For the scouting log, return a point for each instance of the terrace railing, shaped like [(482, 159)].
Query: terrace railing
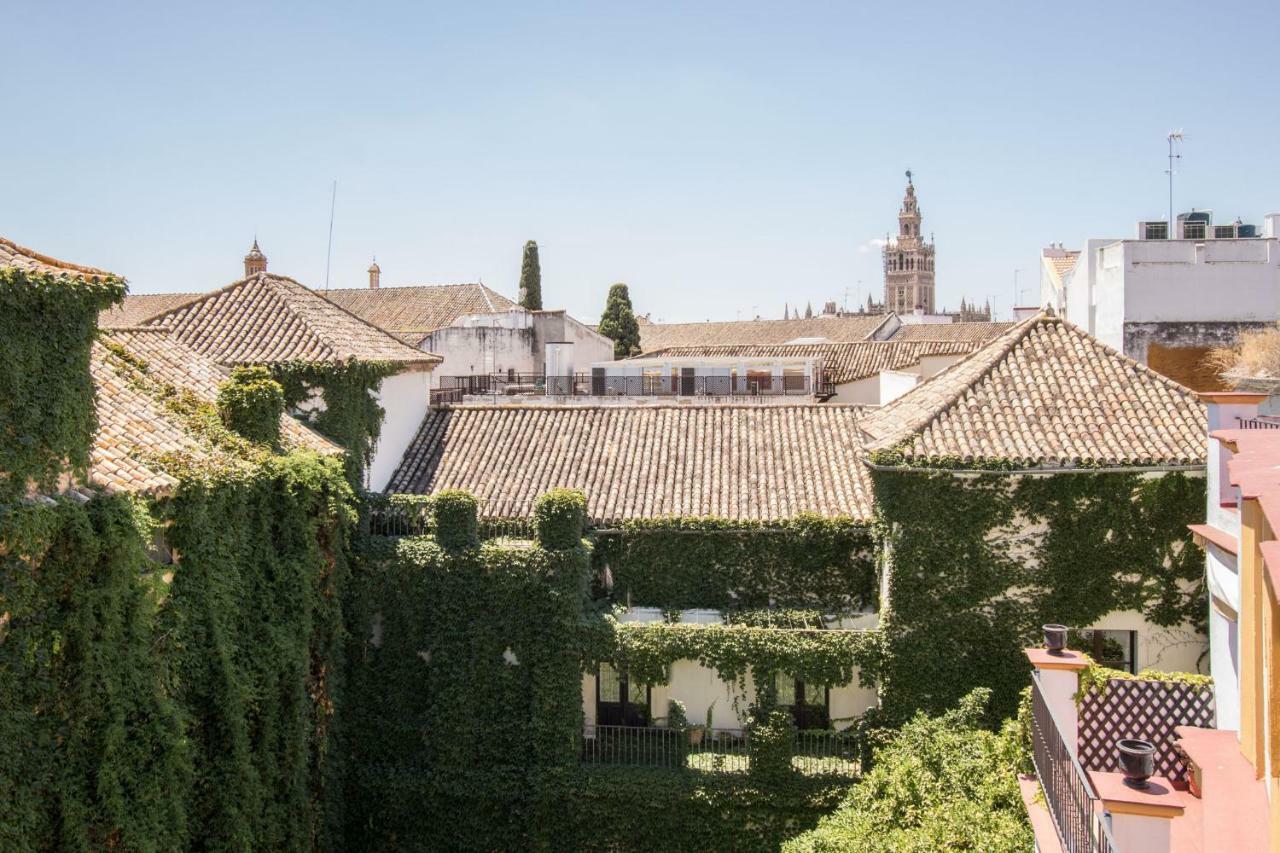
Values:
[(1069, 795), (498, 518), (813, 753), (589, 385), (1260, 422)]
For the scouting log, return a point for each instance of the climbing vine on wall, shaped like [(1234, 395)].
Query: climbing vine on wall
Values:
[(464, 656), (820, 657), (92, 748), (980, 562), (351, 416), (805, 562), (252, 627), (47, 417)]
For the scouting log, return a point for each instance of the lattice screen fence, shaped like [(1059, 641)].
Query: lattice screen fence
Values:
[(1149, 710)]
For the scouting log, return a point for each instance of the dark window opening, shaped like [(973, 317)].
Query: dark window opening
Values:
[(1115, 649), (808, 703), (619, 700)]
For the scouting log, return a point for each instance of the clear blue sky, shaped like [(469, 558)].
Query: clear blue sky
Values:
[(719, 158)]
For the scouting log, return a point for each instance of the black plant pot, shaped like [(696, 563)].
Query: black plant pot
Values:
[(1137, 760), (1055, 638)]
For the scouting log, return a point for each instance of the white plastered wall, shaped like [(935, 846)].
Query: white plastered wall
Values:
[(405, 398)]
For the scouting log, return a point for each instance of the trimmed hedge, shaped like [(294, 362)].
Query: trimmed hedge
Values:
[(559, 518), (455, 524), (251, 403)]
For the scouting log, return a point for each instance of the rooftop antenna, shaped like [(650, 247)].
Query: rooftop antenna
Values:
[(1174, 136), (328, 255)]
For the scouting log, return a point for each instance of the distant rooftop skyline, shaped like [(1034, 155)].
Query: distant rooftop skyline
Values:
[(722, 160)]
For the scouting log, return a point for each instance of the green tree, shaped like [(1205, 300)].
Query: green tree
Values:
[(531, 278), (618, 322), (942, 783)]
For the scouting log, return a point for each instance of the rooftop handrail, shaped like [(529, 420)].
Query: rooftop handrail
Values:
[(1069, 794), (665, 385)]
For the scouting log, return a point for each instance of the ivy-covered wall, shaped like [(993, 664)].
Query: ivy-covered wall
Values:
[(93, 753), (149, 706), (47, 421), (465, 672), (980, 562), (351, 416), (465, 703), (807, 562)]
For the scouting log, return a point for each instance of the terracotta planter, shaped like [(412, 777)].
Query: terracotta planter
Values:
[(1137, 760), (1055, 638)]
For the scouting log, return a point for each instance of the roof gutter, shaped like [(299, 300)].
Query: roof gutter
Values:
[(1110, 469)]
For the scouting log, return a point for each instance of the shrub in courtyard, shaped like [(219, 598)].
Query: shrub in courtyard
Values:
[(560, 516), (455, 519), (943, 783)]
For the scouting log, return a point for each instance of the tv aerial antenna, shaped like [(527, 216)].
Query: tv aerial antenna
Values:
[(1175, 147)]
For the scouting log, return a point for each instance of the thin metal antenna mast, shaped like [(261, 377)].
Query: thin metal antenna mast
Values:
[(1174, 136), (328, 255)]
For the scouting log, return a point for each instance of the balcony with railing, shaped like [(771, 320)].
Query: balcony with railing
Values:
[(454, 389), (1069, 795), (813, 753)]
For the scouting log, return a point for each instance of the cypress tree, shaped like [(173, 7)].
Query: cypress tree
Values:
[(618, 322), (531, 278)]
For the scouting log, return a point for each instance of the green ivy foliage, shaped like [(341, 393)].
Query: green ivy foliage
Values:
[(251, 403), (623, 809), (807, 562), (969, 588), (252, 628), (47, 420), (559, 518), (351, 416), (942, 783), (647, 650), (93, 754), (462, 658)]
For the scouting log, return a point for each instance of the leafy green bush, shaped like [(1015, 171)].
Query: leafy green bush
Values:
[(677, 715), (455, 522), (251, 403), (560, 517), (943, 783)]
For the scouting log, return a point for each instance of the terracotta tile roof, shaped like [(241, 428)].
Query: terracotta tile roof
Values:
[(852, 327), (738, 461), (1043, 394), (268, 319), (139, 307), (135, 428), (1060, 266), (845, 362), (977, 333), (29, 260), (411, 313)]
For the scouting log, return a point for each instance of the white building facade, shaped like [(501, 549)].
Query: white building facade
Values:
[(1166, 303)]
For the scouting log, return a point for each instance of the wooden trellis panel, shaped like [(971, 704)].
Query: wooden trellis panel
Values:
[(1149, 710)]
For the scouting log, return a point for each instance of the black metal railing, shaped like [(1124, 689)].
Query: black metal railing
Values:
[(440, 396), (1069, 795), (411, 515), (597, 385), (1257, 423), (814, 753)]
